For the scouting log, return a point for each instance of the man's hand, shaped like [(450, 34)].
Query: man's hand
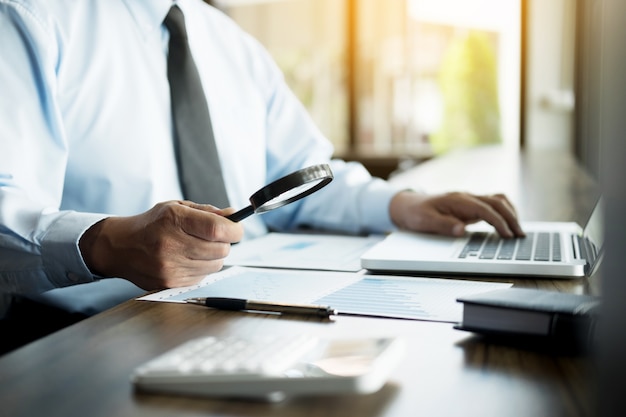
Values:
[(448, 214), (174, 244)]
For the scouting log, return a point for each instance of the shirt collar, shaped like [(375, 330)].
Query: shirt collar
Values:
[(149, 15)]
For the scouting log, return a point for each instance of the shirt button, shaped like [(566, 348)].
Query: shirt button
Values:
[(73, 277)]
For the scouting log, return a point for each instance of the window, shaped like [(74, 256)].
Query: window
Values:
[(401, 78), (307, 38)]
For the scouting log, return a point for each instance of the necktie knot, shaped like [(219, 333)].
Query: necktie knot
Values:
[(175, 23)]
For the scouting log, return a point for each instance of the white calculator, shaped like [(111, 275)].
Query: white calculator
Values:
[(271, 367)]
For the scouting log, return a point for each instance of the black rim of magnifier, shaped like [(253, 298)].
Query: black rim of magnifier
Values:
[(259, 199)]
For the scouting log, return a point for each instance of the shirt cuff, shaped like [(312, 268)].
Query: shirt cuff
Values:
[(61, 255), (374, 205)]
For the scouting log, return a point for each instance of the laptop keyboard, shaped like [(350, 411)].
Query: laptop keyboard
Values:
[(543, 246)]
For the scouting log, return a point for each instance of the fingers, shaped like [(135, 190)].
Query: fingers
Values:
[(444, 225), (192, 237), (501, 215), (448, 214), (495, 210), (208, 208), (209, 223)]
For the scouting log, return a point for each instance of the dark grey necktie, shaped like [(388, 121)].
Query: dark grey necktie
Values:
[(196, 155)]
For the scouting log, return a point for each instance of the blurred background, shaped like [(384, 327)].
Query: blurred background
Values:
[(394, 82)]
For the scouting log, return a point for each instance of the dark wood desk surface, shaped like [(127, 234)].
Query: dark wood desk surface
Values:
[(84, 370)]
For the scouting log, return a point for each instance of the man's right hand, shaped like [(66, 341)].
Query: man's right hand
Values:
[(174, 244)]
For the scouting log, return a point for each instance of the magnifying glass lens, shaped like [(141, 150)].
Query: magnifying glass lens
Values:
[(286, 190), (287, 197)]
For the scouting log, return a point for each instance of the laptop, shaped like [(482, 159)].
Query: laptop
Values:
[(550, 249)]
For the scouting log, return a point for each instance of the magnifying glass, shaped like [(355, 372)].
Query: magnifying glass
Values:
[(290, 188)]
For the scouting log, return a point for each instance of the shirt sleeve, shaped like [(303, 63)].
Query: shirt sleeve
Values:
[(38, 241)]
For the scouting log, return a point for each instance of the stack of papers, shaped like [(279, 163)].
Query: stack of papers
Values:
[(322, 279), (303, 251)]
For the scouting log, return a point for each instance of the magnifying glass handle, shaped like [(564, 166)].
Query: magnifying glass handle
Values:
[(241, 214)]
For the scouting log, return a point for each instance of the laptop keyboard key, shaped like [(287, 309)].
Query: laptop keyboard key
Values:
[(473, 245), (490, 248), (524, 252), (507, 249), (556, 247), (542, 251)]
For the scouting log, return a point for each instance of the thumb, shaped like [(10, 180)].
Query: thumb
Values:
[(208, 208), (458, 229), (447, 225)]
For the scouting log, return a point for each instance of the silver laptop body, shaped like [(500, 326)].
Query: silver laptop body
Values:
[(550, 249)]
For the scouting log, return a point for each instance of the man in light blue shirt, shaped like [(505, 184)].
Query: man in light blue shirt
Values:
[(89, 187)]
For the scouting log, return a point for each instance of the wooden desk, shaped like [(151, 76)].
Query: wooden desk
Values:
[(84, 370)]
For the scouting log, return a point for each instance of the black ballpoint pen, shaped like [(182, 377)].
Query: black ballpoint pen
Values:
[(237, 304)]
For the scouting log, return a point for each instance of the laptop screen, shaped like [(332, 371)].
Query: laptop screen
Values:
[(594, 233)]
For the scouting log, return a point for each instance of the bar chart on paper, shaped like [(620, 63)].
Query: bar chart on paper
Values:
[(405, 297), (414, 298)]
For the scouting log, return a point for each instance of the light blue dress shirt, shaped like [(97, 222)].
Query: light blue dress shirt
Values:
[(86, 133)]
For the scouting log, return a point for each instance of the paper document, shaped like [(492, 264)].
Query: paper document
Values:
[(303, 251), (430, 299)]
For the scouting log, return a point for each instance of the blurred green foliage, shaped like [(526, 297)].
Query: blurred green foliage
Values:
[(468, 81)]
